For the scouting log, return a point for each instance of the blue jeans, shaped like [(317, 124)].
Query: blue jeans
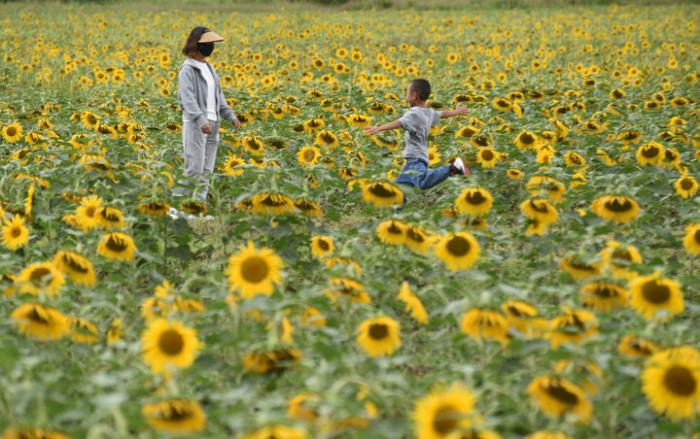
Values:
[(417, 174)]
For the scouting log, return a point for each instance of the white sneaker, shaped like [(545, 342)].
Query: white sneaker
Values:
[(460, 166)]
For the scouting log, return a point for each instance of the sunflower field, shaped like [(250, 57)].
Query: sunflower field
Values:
[(552, 293)]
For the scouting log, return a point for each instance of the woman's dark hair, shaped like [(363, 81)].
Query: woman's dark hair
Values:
[(191, 47)]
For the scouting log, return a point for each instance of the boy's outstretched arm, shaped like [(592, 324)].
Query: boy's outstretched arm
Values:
[(458, 111), (387, 126)]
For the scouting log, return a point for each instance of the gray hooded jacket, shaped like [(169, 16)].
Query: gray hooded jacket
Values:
[(192, 95)]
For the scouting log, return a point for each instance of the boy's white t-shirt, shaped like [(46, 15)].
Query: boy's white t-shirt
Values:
[(416, 123), (211, 89)]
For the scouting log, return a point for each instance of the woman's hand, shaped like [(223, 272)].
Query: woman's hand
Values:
[(206, 129), (236, 123)]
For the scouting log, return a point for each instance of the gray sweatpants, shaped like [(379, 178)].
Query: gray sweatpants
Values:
[(199, 150)]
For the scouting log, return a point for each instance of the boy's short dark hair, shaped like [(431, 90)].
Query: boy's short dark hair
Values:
[(421, 87)]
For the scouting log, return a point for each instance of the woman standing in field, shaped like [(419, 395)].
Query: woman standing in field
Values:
[(203, 107)]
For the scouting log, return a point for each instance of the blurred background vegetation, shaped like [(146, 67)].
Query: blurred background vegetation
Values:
[(376, 4)]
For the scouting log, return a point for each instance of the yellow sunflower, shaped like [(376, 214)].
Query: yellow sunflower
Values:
[(527, 140), (619, 257), (277, 432), (233, 166), (542, 184), (14, 233), (308, 207), (651, 153), (485, 324), (254, 271), (691, 240), (458, 251), (686, 186), (474, 201), (443, 413), (32, 433), (88, 213), (633, 346), (558, 397), (175, 416), (413, 304), (379, 336), (618, 208), (78, 268), (382, 194), (308, 155), (546, 434), (392, 232), (275, 360), (272, 204), (117, 246), (322, 246), (671, 382), (655, 297), (168, 344), (254, 145), (327, 139), (154, 208), (111, 218), (417, 239), (540, 210), (603, 296), (579, 269), (40, 322), (40, 278), (487, 157), (12, 133), (572, 326)]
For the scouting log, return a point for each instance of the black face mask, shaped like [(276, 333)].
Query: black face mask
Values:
[(205, 48)]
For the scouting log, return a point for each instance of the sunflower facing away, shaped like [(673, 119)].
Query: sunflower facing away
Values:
[(413, 304), (254, 271)]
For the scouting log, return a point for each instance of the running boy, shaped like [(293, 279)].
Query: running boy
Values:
[(416, 122)]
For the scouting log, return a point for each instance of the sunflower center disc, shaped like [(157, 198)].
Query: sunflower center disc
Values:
[(655, 293), (40, 276), (378, 331), (487, 155), (558, 392), (458, 246), (686, 184), (116, 244), (619, 205), (475, 198), (381, 191), (324, 245), (74, 265), (680, 381), (697, 236), (446, 420), (254, 269), (171, 342), (16, 232)]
